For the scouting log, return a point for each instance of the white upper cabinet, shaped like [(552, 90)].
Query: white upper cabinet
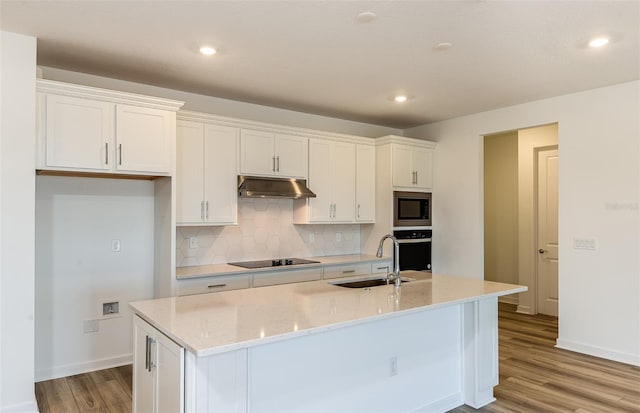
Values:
[(273, 154), (412, 166), (78, 133), (144, 139), (365, 183), (206, 174), (91, 130), (332, 174)]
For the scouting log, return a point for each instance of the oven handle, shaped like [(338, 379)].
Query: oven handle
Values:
[(414, 241)]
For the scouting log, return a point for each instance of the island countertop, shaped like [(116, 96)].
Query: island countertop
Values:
[(207, 324)]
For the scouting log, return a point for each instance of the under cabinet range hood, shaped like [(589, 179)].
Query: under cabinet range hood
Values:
[(260, 187)]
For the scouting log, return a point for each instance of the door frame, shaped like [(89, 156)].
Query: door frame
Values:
[(535, 279)]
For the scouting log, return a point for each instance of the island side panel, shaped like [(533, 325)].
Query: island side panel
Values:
[(480, 335), (403, 363), (216, 383)]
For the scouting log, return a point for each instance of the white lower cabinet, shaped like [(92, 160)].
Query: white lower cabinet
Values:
[(287, 277), (213, 284), (158, 371), (348, 270)]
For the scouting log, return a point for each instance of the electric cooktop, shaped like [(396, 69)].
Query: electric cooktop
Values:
[(273, 263)]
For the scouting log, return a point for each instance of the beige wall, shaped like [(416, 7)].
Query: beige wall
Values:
[(529, 140), (501, 207)]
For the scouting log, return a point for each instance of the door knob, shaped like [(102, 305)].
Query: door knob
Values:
[(541, 251)]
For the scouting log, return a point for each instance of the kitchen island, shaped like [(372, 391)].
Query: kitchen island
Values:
[(430, 346)]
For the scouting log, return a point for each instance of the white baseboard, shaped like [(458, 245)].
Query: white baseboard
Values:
[(79, 368), (28, 407), (523, 309), (442, 405), (605, 353)]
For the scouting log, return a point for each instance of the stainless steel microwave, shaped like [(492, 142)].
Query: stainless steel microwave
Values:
[(411, 209)]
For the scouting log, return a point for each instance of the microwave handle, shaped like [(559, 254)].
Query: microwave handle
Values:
[(414, 240)]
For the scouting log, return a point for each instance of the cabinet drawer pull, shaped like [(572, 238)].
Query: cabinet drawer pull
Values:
[(216, 285), (106, 153), (120, 154), (348, 271), (383, 268)]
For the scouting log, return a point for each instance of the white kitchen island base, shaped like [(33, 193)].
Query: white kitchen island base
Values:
[(337, 356)]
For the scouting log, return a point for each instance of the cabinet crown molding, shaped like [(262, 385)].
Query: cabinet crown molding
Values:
[(69, 89), (405, 141), (271, 127)]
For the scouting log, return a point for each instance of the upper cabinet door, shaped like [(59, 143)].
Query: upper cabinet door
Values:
[(402, 169), (365, 183), (189, 172), (270, 154), (343, 180), (423, 167), (320, 207), (79, 133), (143, 138), (257, 153), (292, 156), (221, 174)]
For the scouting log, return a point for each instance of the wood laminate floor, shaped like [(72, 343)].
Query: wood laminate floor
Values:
[(535, 377)]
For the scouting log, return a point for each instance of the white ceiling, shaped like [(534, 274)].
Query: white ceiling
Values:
[(315, 56)]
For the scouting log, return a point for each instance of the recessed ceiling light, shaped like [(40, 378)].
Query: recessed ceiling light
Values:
[(400, 98), (599, 42), (207, 50), (366, 17), (443, 46)]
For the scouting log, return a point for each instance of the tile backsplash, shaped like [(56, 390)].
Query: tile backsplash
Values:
[(265, 230)]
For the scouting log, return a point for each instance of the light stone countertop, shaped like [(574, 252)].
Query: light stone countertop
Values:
[(226, 269), (207, 324)]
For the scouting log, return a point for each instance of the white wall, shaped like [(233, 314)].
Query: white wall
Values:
[(17, 185), (226, 107), (265, 230), (76, 220), (598, 137)]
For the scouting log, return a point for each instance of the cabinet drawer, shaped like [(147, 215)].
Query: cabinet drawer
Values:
[(346, 270), (212, 284), (286, 277), (381, 267)]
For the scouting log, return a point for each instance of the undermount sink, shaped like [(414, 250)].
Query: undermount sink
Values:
[(368, 282)]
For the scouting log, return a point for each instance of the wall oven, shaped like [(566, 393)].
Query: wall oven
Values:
[(415, 249), (411, 209)]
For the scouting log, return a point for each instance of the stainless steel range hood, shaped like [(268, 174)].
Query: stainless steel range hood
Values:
[(259, 187)]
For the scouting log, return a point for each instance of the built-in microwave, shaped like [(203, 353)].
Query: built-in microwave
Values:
[(411, 209)]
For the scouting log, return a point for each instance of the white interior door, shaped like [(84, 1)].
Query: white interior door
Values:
[(547, 268)]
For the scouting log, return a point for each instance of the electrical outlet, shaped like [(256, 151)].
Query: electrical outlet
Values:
[(108, 308), (115, 245), (393, 366), (193, 242)]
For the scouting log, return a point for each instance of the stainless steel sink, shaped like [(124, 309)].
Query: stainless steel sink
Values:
[(367, 282)]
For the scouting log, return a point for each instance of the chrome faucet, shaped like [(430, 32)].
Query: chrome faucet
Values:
[(395, 275)]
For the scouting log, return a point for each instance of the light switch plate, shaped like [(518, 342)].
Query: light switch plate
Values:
[(584, 243)]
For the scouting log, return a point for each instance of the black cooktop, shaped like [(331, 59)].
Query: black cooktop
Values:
[(272, 263)]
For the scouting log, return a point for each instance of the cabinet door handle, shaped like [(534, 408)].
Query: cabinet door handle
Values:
[(216, 285), (120, 154), (152, 363), (334, 210), (278, 163), (348, 271), (106, 153), (147, 355), (416, 177), (206, 208), (358, 210), (273, 161), (202, 210), (383, 268)]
